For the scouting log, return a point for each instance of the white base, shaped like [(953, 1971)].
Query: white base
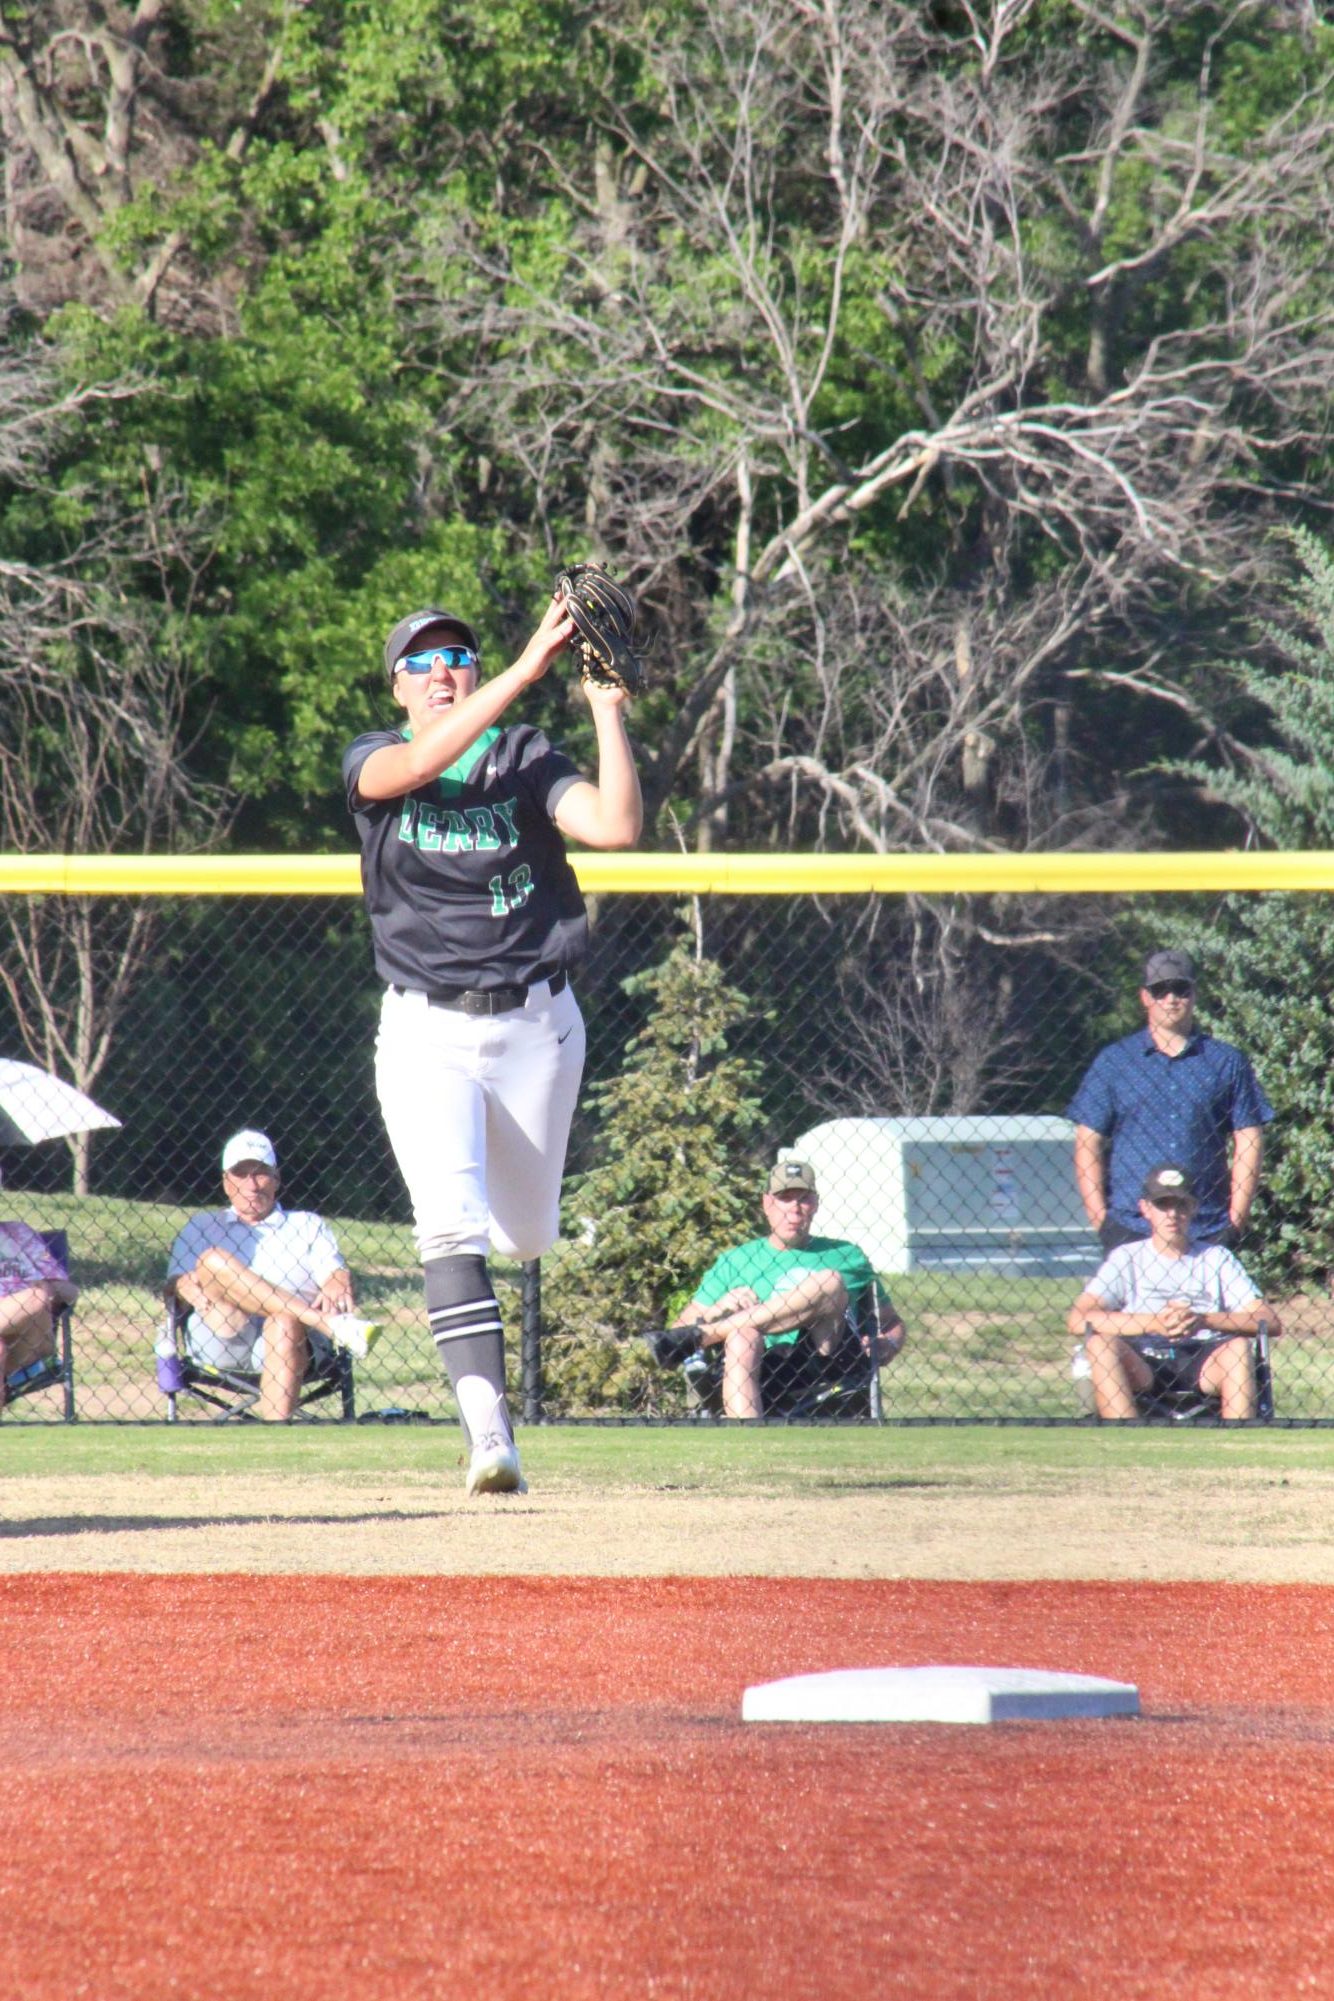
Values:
[(935, 1695)]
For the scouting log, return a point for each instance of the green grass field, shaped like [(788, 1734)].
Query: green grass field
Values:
[(771, 1460)]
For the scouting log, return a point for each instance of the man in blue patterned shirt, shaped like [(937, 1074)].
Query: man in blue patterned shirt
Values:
[(1171, 1091)]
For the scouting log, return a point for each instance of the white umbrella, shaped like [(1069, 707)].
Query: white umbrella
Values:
[(34, 1105)]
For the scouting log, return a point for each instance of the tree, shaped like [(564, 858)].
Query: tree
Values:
[(101, 110), (932, 371), (1269, 960), (936, 373), (213, 198), (677, 1133), (95, 671)]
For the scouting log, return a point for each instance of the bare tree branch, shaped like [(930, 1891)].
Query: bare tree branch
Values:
[(938, 156), (89, 120), (95, 731)]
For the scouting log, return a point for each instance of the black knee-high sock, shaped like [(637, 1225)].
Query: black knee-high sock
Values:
[(466, 1327)]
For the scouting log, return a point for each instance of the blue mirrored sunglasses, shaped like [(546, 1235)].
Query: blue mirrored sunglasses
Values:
[(454, 658)]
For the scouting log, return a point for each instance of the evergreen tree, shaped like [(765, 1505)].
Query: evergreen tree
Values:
[(1268, 960), (679, 1130)]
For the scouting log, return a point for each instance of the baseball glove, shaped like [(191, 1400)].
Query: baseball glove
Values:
[(604, 621)]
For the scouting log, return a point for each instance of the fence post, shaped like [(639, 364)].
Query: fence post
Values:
[(530, 1353), (875, 1409)]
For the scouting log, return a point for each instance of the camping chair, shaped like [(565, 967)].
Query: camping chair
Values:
[(233, 1393), (826, 1397), (1164, 1404), (57, 1367), (846, 1387)]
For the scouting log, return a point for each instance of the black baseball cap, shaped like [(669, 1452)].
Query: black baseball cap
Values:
[(400, 639), (1168, 966), (1168, 1183)]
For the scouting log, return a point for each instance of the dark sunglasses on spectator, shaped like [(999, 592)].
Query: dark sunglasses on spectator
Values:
[(454, 658), (1179, 989)]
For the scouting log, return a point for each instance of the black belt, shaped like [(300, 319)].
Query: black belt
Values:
[(483, 1000)]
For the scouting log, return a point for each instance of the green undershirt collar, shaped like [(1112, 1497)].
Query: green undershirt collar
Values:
[(457, 775)]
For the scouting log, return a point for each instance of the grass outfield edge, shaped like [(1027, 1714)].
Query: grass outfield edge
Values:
[(768, 1459)]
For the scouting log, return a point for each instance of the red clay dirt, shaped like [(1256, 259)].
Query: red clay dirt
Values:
[(409, 1787)]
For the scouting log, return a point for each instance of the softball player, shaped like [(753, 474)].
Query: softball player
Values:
[(477, 919)]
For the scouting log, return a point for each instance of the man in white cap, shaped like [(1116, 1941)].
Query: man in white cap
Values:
[(265, 1285)]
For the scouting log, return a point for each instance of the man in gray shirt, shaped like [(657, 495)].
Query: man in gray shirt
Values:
[(1158, 1315)]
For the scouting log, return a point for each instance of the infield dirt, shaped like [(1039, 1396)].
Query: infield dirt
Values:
[(182, 1745), (1238, 1526)]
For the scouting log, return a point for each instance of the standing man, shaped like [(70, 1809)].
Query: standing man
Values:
[(264, 1285), (1171, 1092), (788, 1309), (477, 919)]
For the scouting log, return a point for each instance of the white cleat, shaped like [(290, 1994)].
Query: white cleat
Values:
[(494, 1467), (358, 1337)]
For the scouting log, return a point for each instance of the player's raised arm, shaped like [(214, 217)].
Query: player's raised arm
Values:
[(610, 813), (436, 682)]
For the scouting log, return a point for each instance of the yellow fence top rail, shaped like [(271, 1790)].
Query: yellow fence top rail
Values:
[(695, 875)]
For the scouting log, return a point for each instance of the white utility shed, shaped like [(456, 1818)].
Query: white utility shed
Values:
[(953, 1194)]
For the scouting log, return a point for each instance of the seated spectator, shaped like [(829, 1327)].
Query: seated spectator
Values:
[(1160, 1315), (788, 1308), (267, 1287), (32, 1282)]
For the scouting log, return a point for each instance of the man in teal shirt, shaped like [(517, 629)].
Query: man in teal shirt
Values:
[(788, 1308)]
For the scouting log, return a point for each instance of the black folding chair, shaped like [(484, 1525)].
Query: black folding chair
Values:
[(57, 1368), (801, 1386), (1165, 1403), (233, 1393), (823, 1392)]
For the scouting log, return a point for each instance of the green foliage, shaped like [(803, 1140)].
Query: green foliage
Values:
[(678, 1128), (1270, 992), (456, 288), (399, 335)]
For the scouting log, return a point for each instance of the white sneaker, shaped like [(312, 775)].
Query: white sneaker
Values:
[(494, 1467), (357, 1336)]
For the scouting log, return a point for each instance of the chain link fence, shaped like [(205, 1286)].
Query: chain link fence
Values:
[(917, 1052)]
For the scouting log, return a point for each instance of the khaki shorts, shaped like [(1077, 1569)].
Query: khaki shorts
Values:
[(243, 1352)]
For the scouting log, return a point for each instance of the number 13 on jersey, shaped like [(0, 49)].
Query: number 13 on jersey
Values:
[(512, 892)]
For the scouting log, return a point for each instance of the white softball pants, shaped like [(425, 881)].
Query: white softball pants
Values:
[(478, 1111)]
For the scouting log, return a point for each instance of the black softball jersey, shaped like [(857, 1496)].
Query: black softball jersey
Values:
[(467, 881)]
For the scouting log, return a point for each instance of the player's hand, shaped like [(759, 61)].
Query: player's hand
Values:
[(603, 698), (551, 638)]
